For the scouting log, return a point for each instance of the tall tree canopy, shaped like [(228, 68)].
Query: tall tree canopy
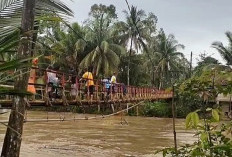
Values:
[(135, 31), (167, 50), (104, 55)]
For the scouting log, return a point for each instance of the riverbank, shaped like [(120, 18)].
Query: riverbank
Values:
[(101, 137)]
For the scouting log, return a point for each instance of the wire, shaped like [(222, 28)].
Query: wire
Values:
[(71, 28), (128, 5), (71, 119), (3, 123)]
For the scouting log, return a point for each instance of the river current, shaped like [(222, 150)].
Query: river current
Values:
[(107, 137)]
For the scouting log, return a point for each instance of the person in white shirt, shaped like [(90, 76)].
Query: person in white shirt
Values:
[(52, 78), (113, 81), (113, 78), (52, 82)]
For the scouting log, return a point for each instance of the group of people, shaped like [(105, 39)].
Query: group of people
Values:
[(109, 83), (53, 81)]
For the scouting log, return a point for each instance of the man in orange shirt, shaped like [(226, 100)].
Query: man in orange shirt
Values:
[(88, 76)]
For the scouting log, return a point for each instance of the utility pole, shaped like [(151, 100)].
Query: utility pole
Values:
[(191, 62)]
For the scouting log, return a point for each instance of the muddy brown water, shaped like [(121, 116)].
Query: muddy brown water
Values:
[(107, 137)]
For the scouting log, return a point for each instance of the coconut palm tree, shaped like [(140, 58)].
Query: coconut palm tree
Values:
[(129, 34), (135, 31), (169, 57), (225, 51), (66, 46), (103, 52), (22, 13), (104, 56)]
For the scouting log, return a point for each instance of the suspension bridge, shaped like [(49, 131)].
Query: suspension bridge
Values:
[(77, 93), (119, 97)]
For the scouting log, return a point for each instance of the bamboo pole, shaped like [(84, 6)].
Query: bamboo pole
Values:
[(173, 117)]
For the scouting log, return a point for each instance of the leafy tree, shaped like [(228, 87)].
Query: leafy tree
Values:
[(205, 61), (225, 51), (139, 72), (214, 136), (106, 14), (66, 47)]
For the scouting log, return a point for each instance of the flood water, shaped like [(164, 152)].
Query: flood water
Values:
[(105, 137)]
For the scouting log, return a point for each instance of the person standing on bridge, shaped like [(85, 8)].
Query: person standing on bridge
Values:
[(32, 78), (73, 81), (107, 86), (88, 76), (113, 82), (52, 81)]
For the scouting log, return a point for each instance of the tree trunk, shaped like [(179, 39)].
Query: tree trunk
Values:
[(153, 76), (128, 73), (161, 80), (13, 138), (128, 67)]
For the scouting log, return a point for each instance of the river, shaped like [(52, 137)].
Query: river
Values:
[(107, 137)]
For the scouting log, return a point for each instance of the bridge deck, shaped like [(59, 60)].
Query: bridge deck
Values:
[(59, 102)]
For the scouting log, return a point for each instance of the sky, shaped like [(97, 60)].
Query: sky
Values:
[(195, 23)]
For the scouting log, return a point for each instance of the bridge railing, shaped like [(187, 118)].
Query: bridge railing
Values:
[(72, 88)]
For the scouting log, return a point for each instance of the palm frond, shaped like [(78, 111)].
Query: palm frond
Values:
[(113, 58), (223, 51), (80, 46), (11, 12), (19, 63), (105, 46), (10, 91), (10, 7), (229, 36), (119, 50)]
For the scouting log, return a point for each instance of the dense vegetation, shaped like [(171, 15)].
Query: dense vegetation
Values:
[(140, 54), (135, 48), (214, 137)]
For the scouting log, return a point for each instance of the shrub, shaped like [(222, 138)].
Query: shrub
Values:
[(182, 110), (157, 109)]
